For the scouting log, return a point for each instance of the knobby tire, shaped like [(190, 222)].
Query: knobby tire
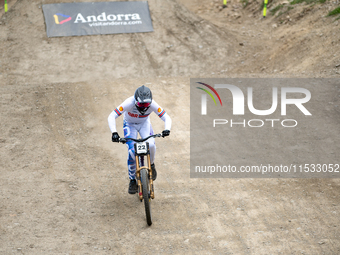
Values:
[(146, 195)]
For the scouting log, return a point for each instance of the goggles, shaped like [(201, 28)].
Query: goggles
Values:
[(143, 105)]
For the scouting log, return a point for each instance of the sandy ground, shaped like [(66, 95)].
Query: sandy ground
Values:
[(64, 184)]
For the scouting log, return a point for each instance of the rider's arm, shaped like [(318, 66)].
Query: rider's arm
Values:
[(162, 114), (126, 105)]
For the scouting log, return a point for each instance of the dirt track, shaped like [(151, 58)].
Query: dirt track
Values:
[(63, 184)]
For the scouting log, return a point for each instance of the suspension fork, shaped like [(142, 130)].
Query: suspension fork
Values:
[(139, 183), (139, 166), (152, 193)]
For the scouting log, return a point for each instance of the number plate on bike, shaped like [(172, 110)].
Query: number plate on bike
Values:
[(142, 148)]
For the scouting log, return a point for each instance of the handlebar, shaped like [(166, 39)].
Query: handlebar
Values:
[(124, 140)]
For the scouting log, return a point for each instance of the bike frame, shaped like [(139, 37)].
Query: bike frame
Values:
[(140, 164)]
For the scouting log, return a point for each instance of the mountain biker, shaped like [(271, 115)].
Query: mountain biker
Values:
[(136, 110)]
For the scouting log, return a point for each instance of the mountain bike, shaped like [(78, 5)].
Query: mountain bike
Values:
[(143, 172)]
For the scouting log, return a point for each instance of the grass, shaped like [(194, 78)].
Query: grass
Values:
[(274, 10), (336, 11), (288, 9), (307, 1), (244, 3)]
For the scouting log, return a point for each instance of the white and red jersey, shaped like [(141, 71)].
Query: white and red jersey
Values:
[(132, 115)]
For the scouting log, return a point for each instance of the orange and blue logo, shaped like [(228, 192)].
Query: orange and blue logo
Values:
[(56, 18)]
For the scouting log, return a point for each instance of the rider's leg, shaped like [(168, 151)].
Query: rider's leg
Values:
[(144, 131), (130, 131)]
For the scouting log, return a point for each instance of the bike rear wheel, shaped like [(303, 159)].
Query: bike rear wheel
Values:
[(146, 195)]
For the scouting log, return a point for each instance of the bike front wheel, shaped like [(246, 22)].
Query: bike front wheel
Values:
[(146, 195)]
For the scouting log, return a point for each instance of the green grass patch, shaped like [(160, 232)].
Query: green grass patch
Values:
[(307, 1), (244, 3), (336, 11), (275, 9), (285, 11)]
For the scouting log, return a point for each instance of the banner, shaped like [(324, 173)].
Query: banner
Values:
[(75, 19)]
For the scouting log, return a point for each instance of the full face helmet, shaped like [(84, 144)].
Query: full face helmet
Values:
[(143, 99)]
